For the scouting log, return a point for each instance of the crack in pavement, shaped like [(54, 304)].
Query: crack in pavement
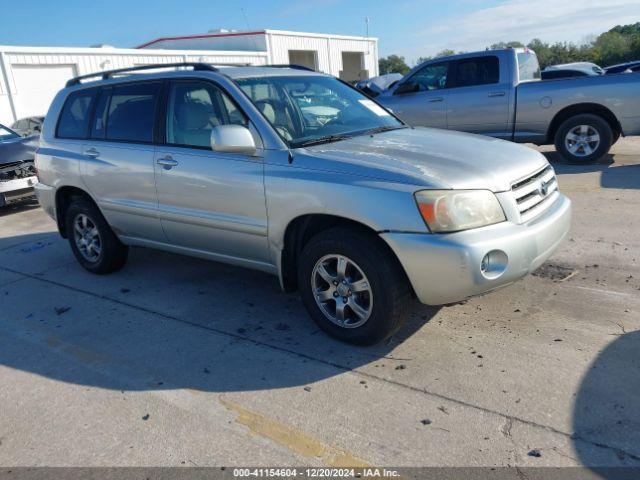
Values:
[(506, 428), (11, 282), (509, 418)]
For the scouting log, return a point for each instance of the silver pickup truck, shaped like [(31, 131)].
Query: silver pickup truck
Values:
[(499, 93)]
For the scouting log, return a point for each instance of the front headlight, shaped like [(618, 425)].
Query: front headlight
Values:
[(455, 210)]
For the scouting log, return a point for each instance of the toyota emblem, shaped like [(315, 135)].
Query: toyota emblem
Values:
[(543, 189)]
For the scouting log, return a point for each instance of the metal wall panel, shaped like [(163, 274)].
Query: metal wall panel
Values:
[(329, 50), (90, 60), (272, 47)]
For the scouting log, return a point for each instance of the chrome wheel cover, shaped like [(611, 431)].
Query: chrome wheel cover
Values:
[(582, 140), (342, 291), (87, 238)]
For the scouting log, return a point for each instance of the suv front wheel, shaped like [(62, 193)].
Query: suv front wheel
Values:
[(352, 286), (92, 241)]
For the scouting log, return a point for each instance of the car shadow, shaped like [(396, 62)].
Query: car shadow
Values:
[(22, 206), (165, 322), (607, 405), (624, 177)]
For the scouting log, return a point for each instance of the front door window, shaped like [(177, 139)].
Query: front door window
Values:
[(194, 109)]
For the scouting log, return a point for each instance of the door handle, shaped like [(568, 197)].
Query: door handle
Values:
[(92, 152), (496, 94), (435, 100), (167, 162)]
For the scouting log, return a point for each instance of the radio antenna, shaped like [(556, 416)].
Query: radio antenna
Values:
[(246, 22)]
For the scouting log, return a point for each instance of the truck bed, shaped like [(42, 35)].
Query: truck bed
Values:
[(539, 102)]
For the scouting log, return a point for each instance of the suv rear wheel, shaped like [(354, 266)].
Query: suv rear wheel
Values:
[(352, 286), (92, 241), (584, 138)]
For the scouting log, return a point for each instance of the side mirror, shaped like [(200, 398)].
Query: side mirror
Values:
[(232, 139), (407, 87)]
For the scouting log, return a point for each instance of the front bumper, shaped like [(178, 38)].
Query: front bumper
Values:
[(47, 199), (15, 190), (445, 268)]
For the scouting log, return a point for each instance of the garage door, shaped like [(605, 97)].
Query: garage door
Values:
[(352, 67), (304, 58), (36, 85)]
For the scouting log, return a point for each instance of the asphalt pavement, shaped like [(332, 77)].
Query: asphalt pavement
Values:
[(178, 361)]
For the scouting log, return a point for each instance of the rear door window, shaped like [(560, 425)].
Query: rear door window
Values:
[(131, 113), (74, 118), (477, 71), (528, 66), (99, 126)]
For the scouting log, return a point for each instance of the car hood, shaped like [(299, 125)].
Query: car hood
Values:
[(428, 157), (18, 149)]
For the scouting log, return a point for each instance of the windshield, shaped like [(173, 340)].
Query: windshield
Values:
[(6, 134), (308, 110), (528, 66)]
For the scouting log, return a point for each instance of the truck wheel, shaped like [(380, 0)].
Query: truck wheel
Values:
[(92, 241), (352, 286), (584, 138)]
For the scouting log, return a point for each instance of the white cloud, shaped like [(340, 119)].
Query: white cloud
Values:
[(549, 20)]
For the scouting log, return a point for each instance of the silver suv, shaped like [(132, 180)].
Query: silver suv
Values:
[(297, 174)]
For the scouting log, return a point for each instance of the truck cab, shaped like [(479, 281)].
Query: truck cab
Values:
[(471, 92), (498, 93)]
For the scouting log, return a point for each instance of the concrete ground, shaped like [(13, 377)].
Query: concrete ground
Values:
[(178, 361)]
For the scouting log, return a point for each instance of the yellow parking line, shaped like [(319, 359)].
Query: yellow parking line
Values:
[(293, 439)]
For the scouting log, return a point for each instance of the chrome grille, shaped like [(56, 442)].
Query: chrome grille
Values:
[(13, 170), (536, 193)]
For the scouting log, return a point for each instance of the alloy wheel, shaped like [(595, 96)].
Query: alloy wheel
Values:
[(582, 140), (87, 238), (342, 291)]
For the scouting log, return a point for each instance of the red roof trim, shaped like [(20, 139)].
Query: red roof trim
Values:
[(206, 35)]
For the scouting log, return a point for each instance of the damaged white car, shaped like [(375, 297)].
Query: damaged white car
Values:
[(17, 170)]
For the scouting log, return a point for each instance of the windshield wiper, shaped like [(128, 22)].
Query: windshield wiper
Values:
[(321, 140), (387, 128), (344, 136)]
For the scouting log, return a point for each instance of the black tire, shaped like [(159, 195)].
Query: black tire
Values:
[(616, 137), (391, 293), (113, 254), (595, 122)]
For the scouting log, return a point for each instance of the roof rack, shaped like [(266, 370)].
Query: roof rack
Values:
[(293, 66), (109, 73)]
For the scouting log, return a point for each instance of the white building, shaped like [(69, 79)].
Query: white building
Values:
[(347, 57), (31, 76)]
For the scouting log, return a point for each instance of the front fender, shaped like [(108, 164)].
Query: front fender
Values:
[(378, 204)]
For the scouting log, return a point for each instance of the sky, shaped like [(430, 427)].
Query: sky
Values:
[(411, 28)]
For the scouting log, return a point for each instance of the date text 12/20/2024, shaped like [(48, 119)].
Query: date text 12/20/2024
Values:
[(368, 472)]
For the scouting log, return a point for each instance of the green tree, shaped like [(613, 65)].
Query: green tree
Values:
[(613, 47), (631, 30), (502, 45), (393, 64), (620, 44), (560, 52), (445, 53)]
